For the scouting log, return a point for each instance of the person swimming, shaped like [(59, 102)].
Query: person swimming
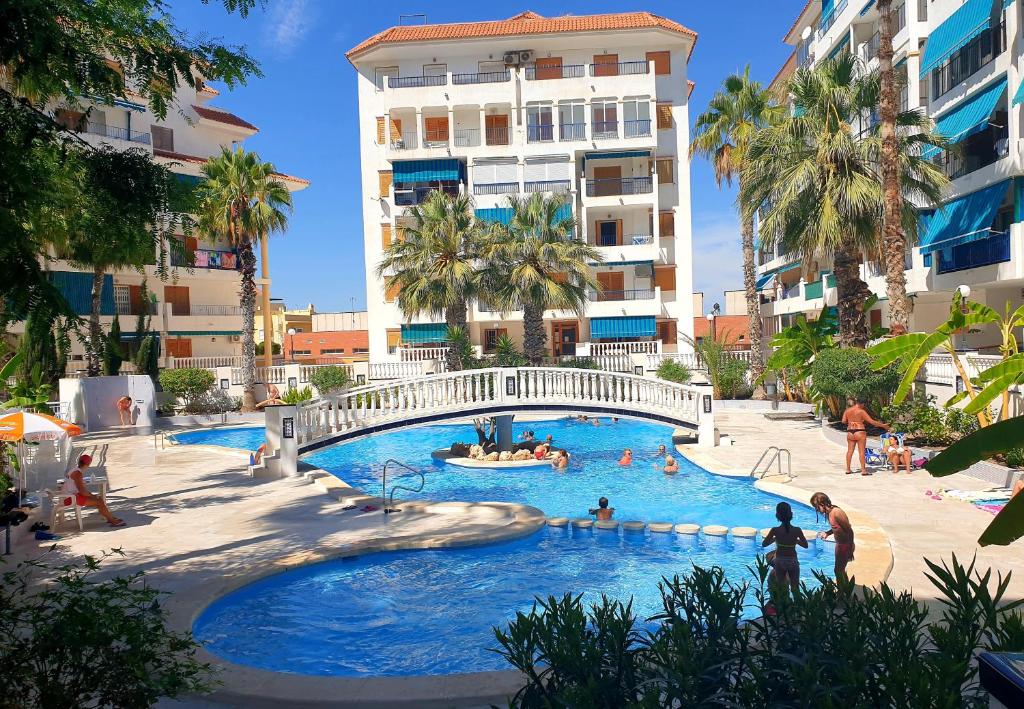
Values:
[(560, 461), (662, 451), (627, 457), (671, 466), (602, 511)]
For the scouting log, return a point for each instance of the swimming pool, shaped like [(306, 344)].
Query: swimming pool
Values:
[(431, 612)]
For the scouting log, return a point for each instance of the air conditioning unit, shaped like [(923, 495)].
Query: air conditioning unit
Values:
[(511, 58), (236, 338), (525, 56)]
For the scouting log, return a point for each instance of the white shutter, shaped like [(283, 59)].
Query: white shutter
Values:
[(535, 171), (559, 170), (506, 172), (483, 174)]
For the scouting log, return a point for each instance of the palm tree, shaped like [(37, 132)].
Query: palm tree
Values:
[(242, 202), (894, 244), (537, 262), (722, 134), (818, 175), (434, 264)]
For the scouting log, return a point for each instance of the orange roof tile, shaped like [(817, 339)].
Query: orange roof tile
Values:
[(797, 20), (525, 23), (223, 117), (199, 160), (785, 71), (690, 86)]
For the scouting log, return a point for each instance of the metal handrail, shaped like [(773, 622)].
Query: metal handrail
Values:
[(389, 507), (776, 458)]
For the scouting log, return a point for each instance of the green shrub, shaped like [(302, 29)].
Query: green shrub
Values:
[(961, 424), (113, 350), (839, 645), (926, 424), (188, 385), (841, 372), (330, 379), (506, 354), (579, 363), (1014, 457), (732, 379), (81, 641), (673, 371), (297, 396)]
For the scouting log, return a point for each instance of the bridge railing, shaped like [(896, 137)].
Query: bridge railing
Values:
[(473, 389)]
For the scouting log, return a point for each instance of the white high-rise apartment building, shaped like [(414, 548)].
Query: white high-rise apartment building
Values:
[(195, 310), (961, 62), (594, 108)]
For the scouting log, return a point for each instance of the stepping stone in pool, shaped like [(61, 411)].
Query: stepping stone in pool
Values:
[(558, 521), (633, 526), (582, 523), (607, 524), (715, 530), (745, 532), (687, 528), (660, 527)]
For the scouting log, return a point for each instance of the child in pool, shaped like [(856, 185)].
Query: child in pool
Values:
[(671, 466), (627, 457), (602, 511), (786, 565)]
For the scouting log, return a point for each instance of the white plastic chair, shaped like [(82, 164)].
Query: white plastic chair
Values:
[(62, 504)]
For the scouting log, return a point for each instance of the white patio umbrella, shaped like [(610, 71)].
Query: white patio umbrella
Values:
[(26, 426)]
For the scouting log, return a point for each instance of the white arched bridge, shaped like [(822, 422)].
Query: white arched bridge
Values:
[(394, 405)]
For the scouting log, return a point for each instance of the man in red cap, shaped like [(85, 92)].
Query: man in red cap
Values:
[(74, 484)]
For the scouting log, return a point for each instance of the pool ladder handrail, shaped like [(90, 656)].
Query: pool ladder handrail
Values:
[(390, 506), (775, 458)]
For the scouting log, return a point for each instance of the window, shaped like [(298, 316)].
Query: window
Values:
[(333, 351), (571, 121), (539, 123), (664, 116), (491, 337), (490, 67), (605, 115), (662, 64), (70, 120), (394, 340), (385, 235), (381, 74), (361, 350), (606, 65), (636, 113), (391, 292), (384, 178), (665, 170), (177, 296), (966, 61), (380, 130), (667, 331), (665, 278), (666, 224), (435, 69), (301, 353), (163, 138), (436, 129)]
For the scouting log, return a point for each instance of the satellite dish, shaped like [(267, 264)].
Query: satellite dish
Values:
[(806, 34)]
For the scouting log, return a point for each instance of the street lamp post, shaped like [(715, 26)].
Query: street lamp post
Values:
[(965, 293), (291, 343)]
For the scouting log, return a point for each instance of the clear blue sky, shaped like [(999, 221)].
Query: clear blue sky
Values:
[(305, 107)]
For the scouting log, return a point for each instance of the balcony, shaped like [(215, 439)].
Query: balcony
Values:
[(619, 68), (416, 195), (606, 296), (553, 186), (467, 137), (487, 77), (540, 133), (406, 141), (636, 129), (614, 186), (605, 130), (496, 188), (406, 82), (125, 307), (435, 138), (106, 131), (985, 252), (206, 258), (572, 131), (568, 71), (496, 135), (214, 310)]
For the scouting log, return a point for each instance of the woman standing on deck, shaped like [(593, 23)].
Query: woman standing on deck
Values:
[(856, 418)]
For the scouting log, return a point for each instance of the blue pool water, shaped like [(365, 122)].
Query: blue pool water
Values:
[(431, 612)]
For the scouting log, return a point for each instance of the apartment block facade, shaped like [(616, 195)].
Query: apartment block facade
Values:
[(196, 309), (960, 61), (591, 108)]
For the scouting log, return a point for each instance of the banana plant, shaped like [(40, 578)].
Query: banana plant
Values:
[(30, 393), (796, 347), (9, 369), (1008, 526), (913, 349)]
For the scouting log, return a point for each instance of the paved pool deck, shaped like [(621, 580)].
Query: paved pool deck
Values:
[(199, 527), (915, 525)]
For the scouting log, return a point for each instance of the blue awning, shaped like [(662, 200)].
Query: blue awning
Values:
[(503, 215), (845, 44), (424, 333), (411, 171), (969, 117), (76, 288), (827, 8), (1019, 96), (618, 155), (962, 220), (973, 18), (766, 278), (871, 3), (629, 326), (763, 281)]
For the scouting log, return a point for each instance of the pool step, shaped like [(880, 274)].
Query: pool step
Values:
[(709, 530)]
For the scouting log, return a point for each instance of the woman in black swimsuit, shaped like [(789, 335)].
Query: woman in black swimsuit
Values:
[(856, 419)]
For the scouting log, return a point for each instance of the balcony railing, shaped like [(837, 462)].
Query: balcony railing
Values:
[(639, 239), (604, 129), (496, 188), (129, 308), (409, 197), (612, 186), (214, 310), (435, 138), (568, 71), (486, 77), (636, 129), (555, 186), (467, 137), (103, 129), (984, 252), (206, 258), (825, 22), (619, 295), (540, 133), (572, 131), (496, 135), (405, 141), (404, 82), (619, 68)]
